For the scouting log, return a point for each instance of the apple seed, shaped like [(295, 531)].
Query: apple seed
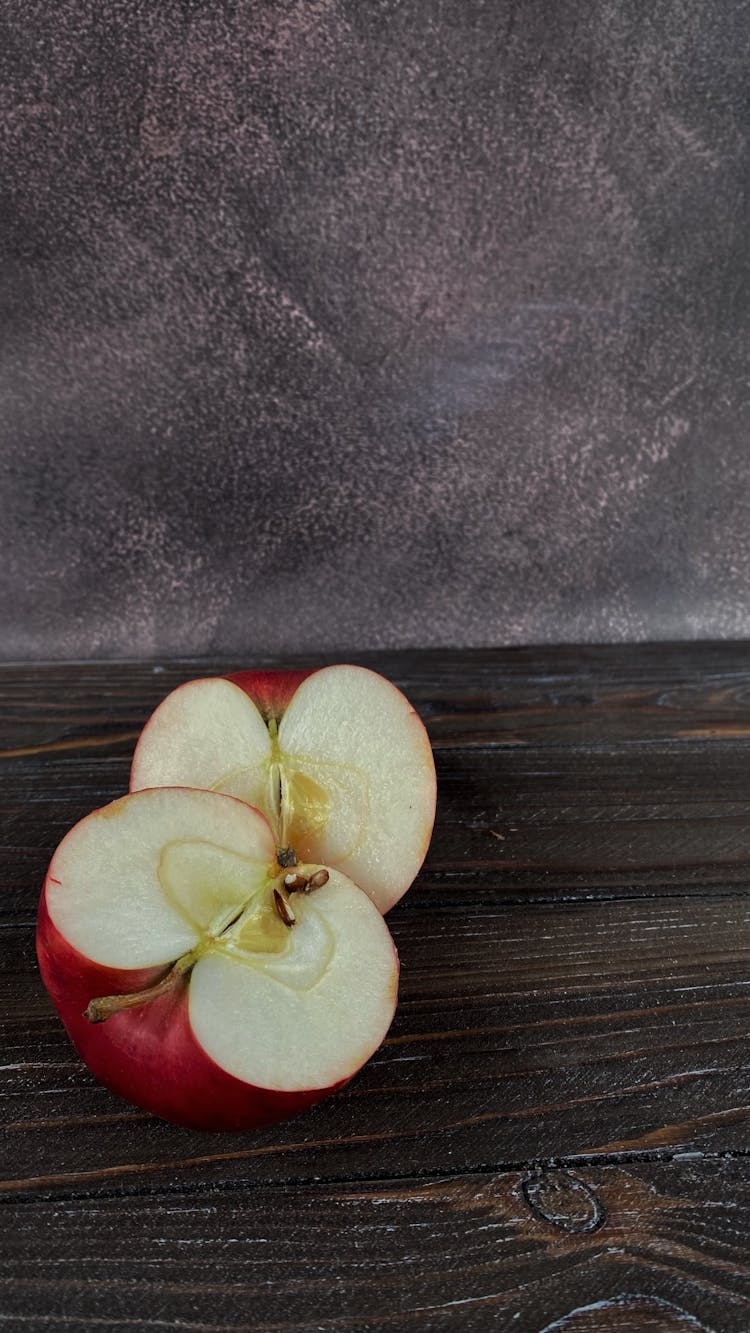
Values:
[(283, 907), (295, 881), (317, 880)]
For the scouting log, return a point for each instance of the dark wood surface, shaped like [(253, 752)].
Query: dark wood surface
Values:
[(556, 1133)]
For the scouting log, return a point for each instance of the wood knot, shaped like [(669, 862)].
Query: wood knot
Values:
[(560, 1198)]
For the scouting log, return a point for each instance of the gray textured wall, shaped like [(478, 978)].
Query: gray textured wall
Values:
[(334, 323)]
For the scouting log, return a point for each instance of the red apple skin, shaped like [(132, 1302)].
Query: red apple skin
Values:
[(270, 691), (149, 1055)]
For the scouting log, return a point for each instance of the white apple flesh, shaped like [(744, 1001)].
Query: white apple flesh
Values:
[(337, 760), (192, 979)]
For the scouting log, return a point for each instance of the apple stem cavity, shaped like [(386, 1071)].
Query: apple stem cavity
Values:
[(98, 1010)]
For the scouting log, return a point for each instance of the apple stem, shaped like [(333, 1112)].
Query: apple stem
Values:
[(104, 1006)]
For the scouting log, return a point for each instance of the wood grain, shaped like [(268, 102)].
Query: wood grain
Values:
[(567, 1030), (586, 1251), (571, 1036)]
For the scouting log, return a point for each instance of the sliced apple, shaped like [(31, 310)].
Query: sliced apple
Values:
[(337, 760), (196, 976)]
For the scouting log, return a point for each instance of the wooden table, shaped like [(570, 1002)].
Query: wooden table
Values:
[(555, 1134)]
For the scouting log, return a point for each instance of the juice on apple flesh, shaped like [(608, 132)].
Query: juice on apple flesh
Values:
[(298, 806)]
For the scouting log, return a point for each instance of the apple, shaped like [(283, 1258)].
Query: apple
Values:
[(337, 760), (199, 978)]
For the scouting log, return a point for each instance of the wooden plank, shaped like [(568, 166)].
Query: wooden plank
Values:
[(575, 1028), (507, 696), (573, 1020), (625, 790), (520, 827), (570, 692), (657, 1247)]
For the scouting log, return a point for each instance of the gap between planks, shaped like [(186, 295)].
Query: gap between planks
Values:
[(44, 1191)]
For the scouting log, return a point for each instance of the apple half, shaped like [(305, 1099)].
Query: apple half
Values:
[(337, 760), (199, 978)]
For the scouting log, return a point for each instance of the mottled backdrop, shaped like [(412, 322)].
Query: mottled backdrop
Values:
[(348, 323)]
